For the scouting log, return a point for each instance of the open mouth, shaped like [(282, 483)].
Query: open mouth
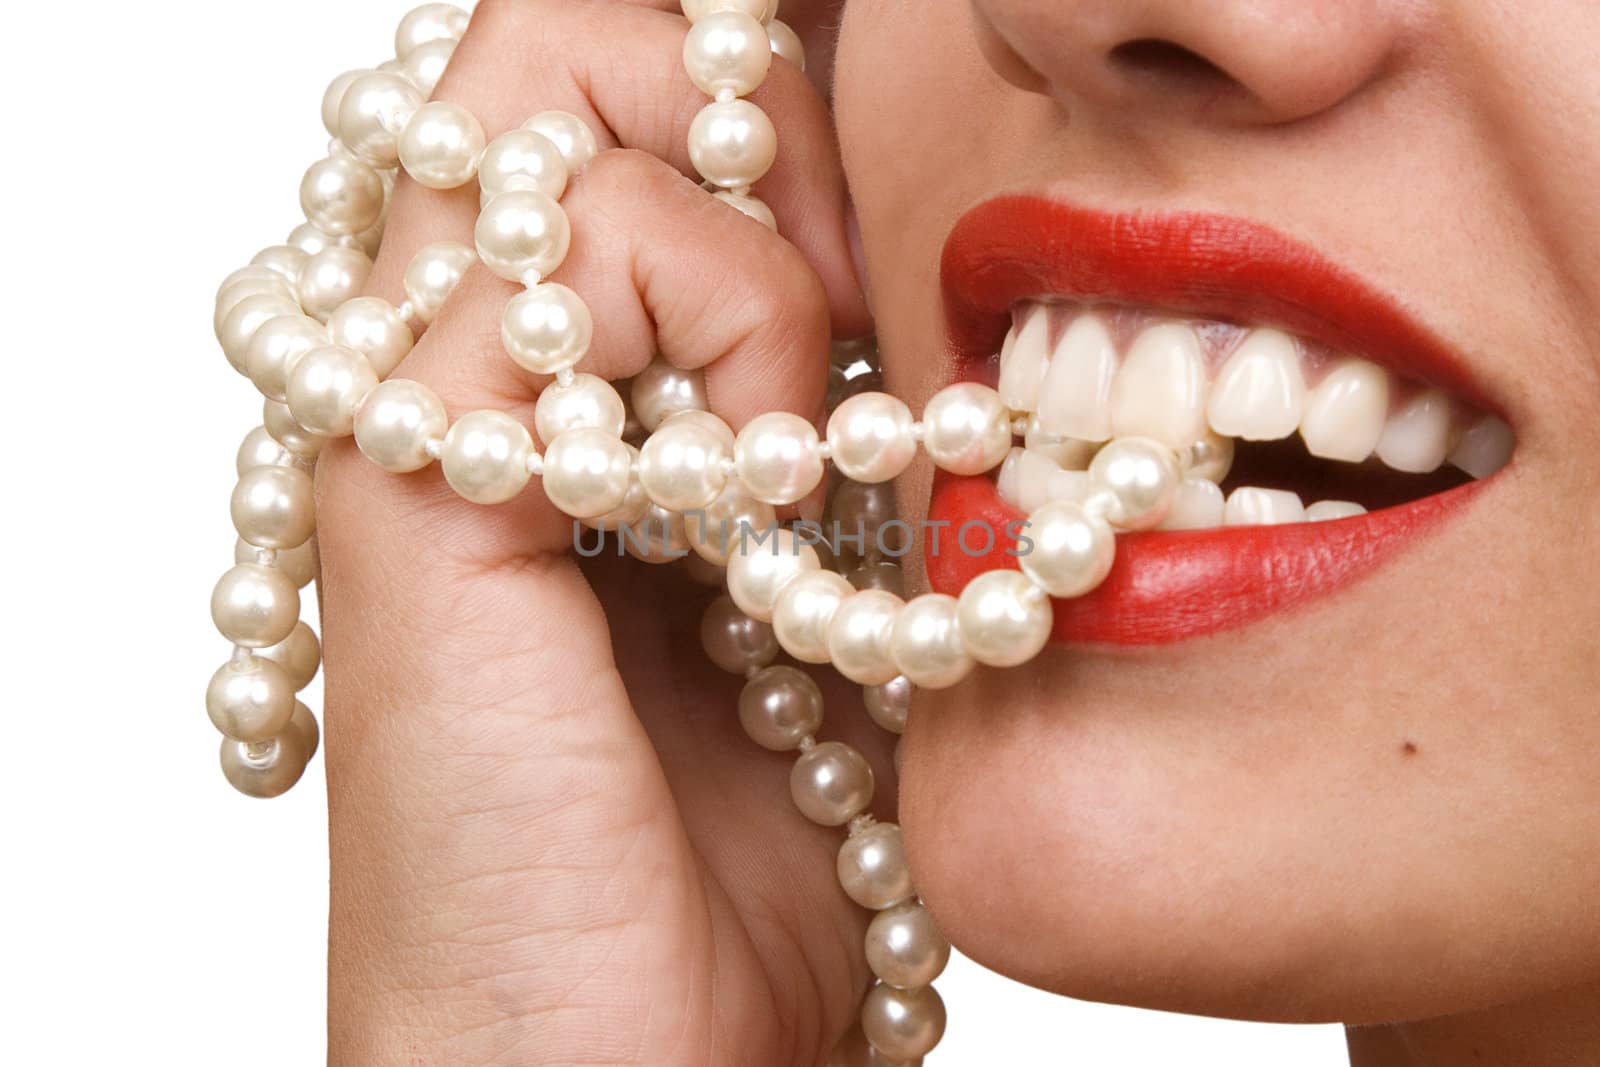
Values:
[(1320, 428)]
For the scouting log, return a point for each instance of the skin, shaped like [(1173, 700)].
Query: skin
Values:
[(551, 842)]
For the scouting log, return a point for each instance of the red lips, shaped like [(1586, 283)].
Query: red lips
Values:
[(1167, 586)]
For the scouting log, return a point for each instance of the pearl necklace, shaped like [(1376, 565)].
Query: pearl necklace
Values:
[(293, 322)]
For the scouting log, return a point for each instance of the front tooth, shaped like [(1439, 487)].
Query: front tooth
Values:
[(1023, 359), (1416, 438), (1260, 393), (1068, 452), (1198, 505), (1075, 398), (1485, 447), (1324, 510), (1033, 475), (1346, 411), (1006, 482), (1249, 506), (1068, 485), (1160, 391)]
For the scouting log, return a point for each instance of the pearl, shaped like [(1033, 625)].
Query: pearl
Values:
[(1141, 475), (433, 274), (332, 277), (299, 654), (831, 783), (733, 640), (375, 108), (777, 458), (396, 422), (250, 699), (258, 449), (547, 328), (864, 510), (870, 438), (680, 466), (753, 206), (858, 636), (441, 144), (299, 565), (286, 260), (341, 195), (303, 723), (657, 536), (485, 456), (706, 420), (239, 326), (695, 10), (717, 529), (889, 704), (661, 390), (903, 1024), (966, 428), (308, 239), (1004, 619), (426, 24), (333, 97), (255, 606), (1072, 549), (786, 43), (276, 346), (758, 570), (926, 643), (247, 282), (586, 472), (585, 402), (873, 869), (426, 65), (878, 574), (272, 507), (299, 442), (521, 231), (570, 134), (522, 159), (634, 508), (326, 386), (373, 327), (727, 50), (732, 143), (265, 769), (779, 707), (905, 947), (803, 611)]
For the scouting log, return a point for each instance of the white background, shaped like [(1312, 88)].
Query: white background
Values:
[(151, 914)]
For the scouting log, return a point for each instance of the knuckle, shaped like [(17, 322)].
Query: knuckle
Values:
[(623, 174)]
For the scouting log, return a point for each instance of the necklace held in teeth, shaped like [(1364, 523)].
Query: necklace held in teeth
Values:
[(293, 322)]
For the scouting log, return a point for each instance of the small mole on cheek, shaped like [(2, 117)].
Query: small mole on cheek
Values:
[(1408, 748)]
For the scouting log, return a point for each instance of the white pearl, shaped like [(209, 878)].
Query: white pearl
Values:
[(309, 239), (1142, 475), (255, 606), (586, 472), (341, 195), (786, 43), (373, 327), (299, 441), (586, 401), (326, 386), (889, 704), (732, 143), (396, 422), (695, 10), (1004, 619), (966, 428), (872, 867), (831, 783), (248, 315), (661, 390), (427, 63), (485, 456), (299, 654), (779, 707), (286, 260), (251, 699), (777, 458), (303, 723), (905, 947), (333, 97), (869, 437), (265, 769), (858, 636), (258, 449), (757, 572), (680, 466), (716, 529), (657, 536), (727, 50), (247, 282), (707, 421), (547, 328), (926, 643), (441, 144), (570, 134), (803, 611), (299, 565), (903, 1024), (1072, 550), (522, 159), (273, 507), (522, 231), (753, 206), (275, 348), (331, 278), (428, 23), (635, 507), (373, 111), (733, 640), (433, 274)]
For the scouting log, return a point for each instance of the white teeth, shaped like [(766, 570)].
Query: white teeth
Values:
[(1005, 482), (1068, 485), (1033, 478), (1416, 438), (1211, 458), (1069, 452), (1198, 505), (1249, 506), (1160, 390), (1023, 359), (1345, 413), (1485, 447), (1260, 393), (1324, 510), (1075, 398)]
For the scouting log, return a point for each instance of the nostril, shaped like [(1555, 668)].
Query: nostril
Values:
[(1156, 59)]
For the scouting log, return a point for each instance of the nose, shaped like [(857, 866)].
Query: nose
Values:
[(1248, 62)]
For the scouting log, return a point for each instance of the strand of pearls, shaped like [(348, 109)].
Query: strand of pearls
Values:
[(664, 475)]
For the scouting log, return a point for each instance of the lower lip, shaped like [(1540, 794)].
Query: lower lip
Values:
[(1168, 586)]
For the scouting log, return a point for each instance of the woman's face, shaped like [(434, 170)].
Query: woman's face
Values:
[(1317, 771)]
